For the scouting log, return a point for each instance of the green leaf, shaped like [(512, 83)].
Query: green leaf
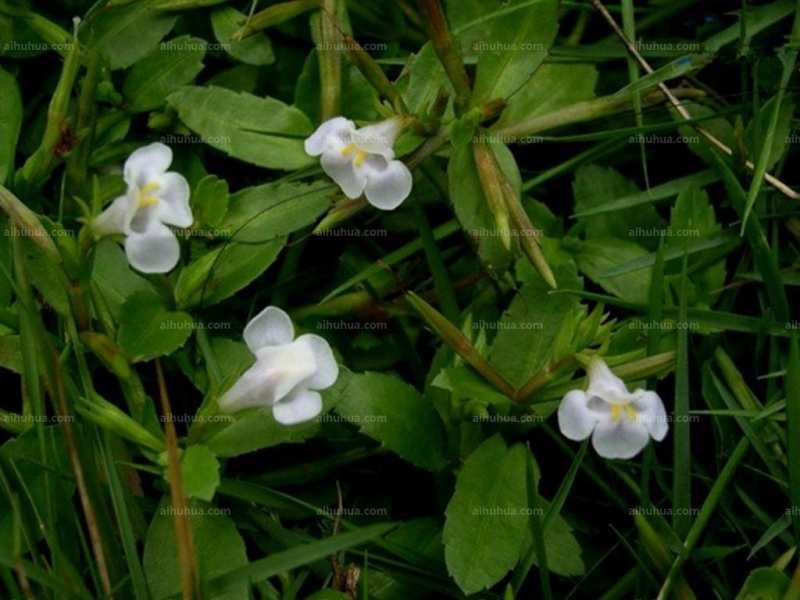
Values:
[(528, 330), (359, 98), (472, 207), (513, 42), (163, 71), (126, 34), (210, 200), (764, 583), (693, 214), (264, 212), (261, 131), (392, 412), (254, 50), (329, 595), (486, 521), (10, 353), (218, 548), (552, 87), (426, 78), (595, 186), (114, 278), (719, 127), (200, 472), (147, 329), (257, 429), (223, 272), (465, 382), (759, 125), (598, 256), (46, 277), (563, 550), (284, 561), (10, 122)]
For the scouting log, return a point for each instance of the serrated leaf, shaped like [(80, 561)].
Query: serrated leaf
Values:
[(693, 217), (147, 329), (359, 98), (596, 257), (759, 125), (515, 37), (264, 212), (162, 72), (261, 131), (223, 272), (126, 34), (113, 276), (200, 472), (595, 186), (472, 207), (10, 122), (218, 548), (528, 330), (552, 87), (254, 50), (11, 353), (486, 521), (764, 583), (255, 429), (210, 200), (426, 78), (563, 550), (466, 383), (395, 414)]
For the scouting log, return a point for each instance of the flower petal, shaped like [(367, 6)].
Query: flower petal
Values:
[(113, 219), (339, 167), (604, 384), (174, 195), (620, 438), (146, 164), (650, 411), (154, 251), (575, 420), (378, 138), (270, 327), (301, 405), (387, 188), (332, 134), (251, 390), (277, 372), (286, 367), (327, 369)]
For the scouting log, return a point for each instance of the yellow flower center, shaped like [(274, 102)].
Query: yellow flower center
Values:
[(360, 157), (616, 411), (146, 194)]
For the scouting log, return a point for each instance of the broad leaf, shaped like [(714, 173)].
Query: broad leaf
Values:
[(147, 329), (486, 518), (10, 122), (162, 72), (262, 213), (261, 131), (223, 272), (126, 33), (392, 412), (254, 50), (218, 549)]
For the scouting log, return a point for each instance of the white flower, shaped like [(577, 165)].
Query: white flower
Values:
[(620, 422), (155, 198), (362, 160), (286, 372)]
